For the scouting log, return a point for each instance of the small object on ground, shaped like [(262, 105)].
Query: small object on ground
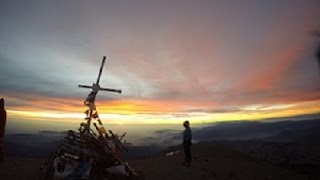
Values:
[(172, 153)]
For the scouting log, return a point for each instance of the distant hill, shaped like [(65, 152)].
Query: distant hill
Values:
[(32, 145), (245, 130), (42, 143)]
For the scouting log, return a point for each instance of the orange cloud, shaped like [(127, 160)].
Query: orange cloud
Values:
[(272, 75)]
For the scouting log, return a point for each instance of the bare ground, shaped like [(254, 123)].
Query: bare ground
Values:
[(210, 162)]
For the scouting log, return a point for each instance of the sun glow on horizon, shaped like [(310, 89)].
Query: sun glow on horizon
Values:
[(135, 114)]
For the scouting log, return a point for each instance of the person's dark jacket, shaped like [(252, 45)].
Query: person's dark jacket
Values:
[(187, 135)]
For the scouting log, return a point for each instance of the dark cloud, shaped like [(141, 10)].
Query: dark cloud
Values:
[(15, 79)]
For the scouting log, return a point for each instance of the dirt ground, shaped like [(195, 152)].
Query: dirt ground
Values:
[(17, 168), (213, 162), (210, 162)]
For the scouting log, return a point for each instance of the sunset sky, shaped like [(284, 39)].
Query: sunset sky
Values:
[(204, 61)]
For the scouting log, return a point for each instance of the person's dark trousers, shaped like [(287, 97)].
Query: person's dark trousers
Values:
[(187, 151)]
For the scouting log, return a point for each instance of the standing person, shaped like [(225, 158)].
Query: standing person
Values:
[(3, 120), (187, 137)]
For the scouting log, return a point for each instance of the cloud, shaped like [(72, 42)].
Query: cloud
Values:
[(178, 60)]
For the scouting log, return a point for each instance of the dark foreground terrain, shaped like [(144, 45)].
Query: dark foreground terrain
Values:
[(229, 150), (211, 161)]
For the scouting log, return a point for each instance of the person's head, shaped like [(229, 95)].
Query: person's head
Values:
[(1, 103), (186, 124)]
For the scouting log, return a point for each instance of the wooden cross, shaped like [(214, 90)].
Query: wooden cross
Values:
[(90, 100)]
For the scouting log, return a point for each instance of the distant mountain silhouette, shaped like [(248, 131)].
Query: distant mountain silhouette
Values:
[(33, 145), (42, 143), (244, 130)]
